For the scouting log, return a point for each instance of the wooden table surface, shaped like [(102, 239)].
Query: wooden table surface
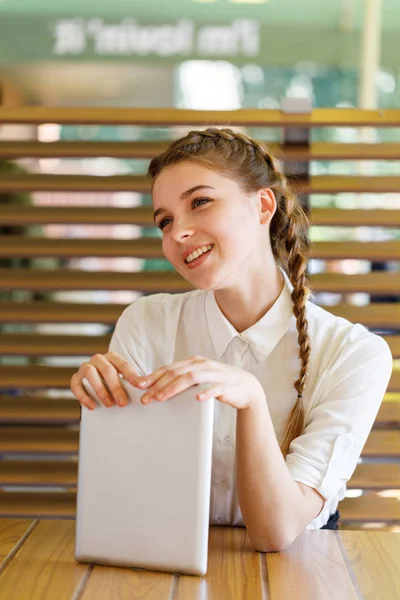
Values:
[(37, 562)]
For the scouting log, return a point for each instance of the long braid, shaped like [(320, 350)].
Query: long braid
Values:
[(229, 151)]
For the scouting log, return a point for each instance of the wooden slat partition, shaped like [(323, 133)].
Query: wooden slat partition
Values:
[(319, 184), (382, 315), (20, 246), (33, 344), (59, 312), (155, 281), (64, 473), (22, 410), (319, 117), (64, 440), (143, 216), (367, 508), (141, 149), (34, 423)]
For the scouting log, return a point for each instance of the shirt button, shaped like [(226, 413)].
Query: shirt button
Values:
[(224, 484), (227, 439)]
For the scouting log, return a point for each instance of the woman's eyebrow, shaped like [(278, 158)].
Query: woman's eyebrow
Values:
[(185, 195)]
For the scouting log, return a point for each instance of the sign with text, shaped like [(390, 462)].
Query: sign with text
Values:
[(74, 37), (94, 38)]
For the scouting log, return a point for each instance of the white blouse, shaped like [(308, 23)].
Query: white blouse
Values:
[(349, 371)]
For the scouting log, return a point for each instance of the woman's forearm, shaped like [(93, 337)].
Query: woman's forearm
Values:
[(270, 499)]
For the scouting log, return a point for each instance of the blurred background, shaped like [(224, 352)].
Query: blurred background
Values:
[(209, 55)]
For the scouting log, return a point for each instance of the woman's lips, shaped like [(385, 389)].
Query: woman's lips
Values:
[(200, 260)]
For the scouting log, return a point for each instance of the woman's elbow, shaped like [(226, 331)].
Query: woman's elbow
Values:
[(271, 545)]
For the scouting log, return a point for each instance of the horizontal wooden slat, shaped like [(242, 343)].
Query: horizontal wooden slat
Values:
[(382, 444), (39, 440), (379, 315), (38, 410), (75, 215), (60, 312), (318, 117), (39, 472), (16, 246), (389, 412), (37, 344), (143, 149), (20, 246), (50, 410), (35, 377), (319, 184), (374, 283), (370, 507), (65, 472), (74, 183), (394, 344), (374, 477), (143, 216), (31, 344), (378, 251), (335, 151), (32, 279), (84, 149), (355, 217), (339, 184), (394, 383), (38, 504), (38, 376)]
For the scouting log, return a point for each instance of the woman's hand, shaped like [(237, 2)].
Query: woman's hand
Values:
[(230, 385), (103, 373)]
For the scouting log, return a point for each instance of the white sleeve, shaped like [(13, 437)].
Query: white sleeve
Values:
[(128, 339), (325, 455)]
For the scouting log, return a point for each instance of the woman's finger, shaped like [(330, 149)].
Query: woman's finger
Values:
[(169, 386), (152, 378), (92, 374), (80, 393), (216, 391), (126, 369), (113, 389)]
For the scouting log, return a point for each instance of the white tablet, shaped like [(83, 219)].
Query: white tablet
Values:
[(144, 481)]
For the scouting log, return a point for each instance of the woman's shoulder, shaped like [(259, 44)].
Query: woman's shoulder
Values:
[(332, 334)]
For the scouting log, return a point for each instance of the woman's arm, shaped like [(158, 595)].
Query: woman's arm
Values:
[(274, 507)]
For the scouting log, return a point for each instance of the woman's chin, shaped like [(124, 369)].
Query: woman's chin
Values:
[(203, 282)]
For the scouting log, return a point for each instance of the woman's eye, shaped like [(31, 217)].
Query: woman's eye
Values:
[(164, 222), (199, 200)]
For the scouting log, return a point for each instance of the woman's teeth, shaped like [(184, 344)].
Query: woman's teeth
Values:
[(198, 253)]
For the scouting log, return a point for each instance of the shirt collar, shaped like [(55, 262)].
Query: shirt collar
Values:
[(263, 336)]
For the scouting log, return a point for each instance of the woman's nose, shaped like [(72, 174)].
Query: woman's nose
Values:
[(181, 230)]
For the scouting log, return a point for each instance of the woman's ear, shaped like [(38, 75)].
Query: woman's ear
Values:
[(266, 205)]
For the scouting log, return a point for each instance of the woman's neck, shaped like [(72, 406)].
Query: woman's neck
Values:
[(246, 305)]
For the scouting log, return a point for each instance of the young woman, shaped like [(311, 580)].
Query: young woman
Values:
[(297, 388)]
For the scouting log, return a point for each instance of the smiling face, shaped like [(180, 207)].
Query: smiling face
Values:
[(196, 207)]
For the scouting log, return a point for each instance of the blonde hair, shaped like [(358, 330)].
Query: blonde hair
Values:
[(251, 165)]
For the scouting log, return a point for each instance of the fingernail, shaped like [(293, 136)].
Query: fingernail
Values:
[(122, 401)]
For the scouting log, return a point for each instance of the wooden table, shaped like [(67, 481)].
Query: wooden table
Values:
[(37, 562)]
